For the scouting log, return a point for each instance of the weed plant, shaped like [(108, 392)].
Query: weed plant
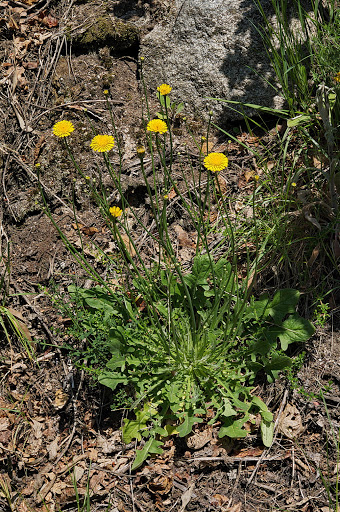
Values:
[(181, 340), (11, 324)]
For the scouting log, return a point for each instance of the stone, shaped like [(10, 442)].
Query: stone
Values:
[(210, 48)]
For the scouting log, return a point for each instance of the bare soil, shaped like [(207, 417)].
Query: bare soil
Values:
[(56, 426)]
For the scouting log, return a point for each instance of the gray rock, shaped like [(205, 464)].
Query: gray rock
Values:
[(210, 48)]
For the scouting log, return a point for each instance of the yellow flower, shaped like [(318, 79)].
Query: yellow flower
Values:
[(256, 177), (63, 128), (141, 152), (157, 126), (106, 92), (337, 77), (293, 184), (215, 162), (102, 143), (115, 211), (164, 89)]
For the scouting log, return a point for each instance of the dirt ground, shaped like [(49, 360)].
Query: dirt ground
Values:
[(56, 426)]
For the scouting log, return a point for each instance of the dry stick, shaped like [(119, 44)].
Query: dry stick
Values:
[(264, 454), (235, 484), (75, 419)]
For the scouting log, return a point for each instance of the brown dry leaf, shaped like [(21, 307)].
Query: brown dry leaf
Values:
[(197, 440), (222, 184), (92, 454), (58, 487), (61, 399), (18, 78), (172, 194), (97, 481), (109, 445), (211, 145), (128, 245), (37, 428), (314, 255), (78, 472), (218, 500), (290, 423), (249, 175), (161, 484), (183, 237), (250, 452), (49, 21), (20, 324), (4, 424), (52, 448), (212, 217)]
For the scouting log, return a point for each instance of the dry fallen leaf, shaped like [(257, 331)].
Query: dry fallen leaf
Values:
[(49, 21), (161, 484), (183, 237), (61, 399), (197, 440), (290, 423), (128, 245), (20, 323)]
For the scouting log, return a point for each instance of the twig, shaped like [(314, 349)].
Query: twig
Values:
[(75, 419)]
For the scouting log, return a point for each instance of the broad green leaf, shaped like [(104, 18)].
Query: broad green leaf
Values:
[(267, 432), (278, 363), (295, 329), (151, 446), (117, 361), (132, 429), (228, 410), (201, 269), (111, 379), (186, 427), (284, 302), (265, 413), (233, 428), (258, 309), (171, 429), (263, 346)]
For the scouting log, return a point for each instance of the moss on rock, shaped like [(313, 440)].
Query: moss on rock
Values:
[(118, 35)]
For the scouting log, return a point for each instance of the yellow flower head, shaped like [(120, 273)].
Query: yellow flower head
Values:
[(215, 162), (157, 126), (164, 89), (63, 128), (102, 143), (141, 151), (115, 211), (337, 77)]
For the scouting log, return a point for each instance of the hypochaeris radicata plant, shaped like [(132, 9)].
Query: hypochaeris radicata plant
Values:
[(181, 341)]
